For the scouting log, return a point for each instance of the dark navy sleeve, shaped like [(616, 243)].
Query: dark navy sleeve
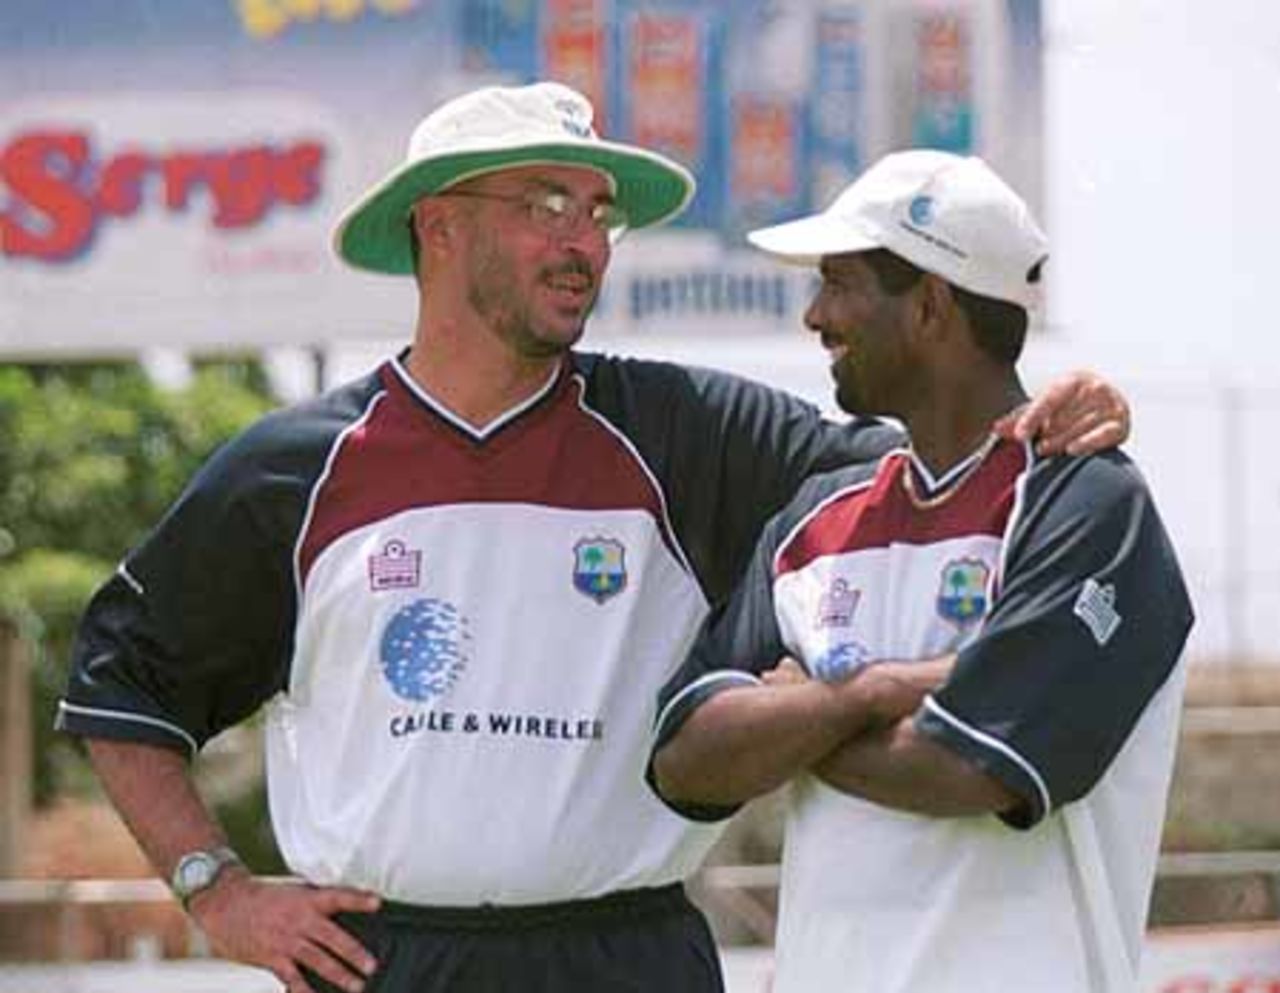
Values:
[(194, 630), (729, 453), (1090, 620)]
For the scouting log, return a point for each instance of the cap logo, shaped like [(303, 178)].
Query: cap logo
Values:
[(920, 211), (571, 118)]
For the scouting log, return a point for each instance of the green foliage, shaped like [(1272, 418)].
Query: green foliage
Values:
[(245, 820), (90, 458), (44, 592), (93, 456)]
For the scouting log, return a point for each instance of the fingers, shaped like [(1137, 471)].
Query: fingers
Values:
[(289, 974), (289, 929), (1007, 426), (328, 950), (1037, 416), (341, 943), (1106, 435), (325, 966), (1083, 430), (331, 900), (1078, 414), (786, 672)]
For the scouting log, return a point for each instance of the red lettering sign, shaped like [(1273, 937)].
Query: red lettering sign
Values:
[(59, 195), (1255, 984), (1205, 984)]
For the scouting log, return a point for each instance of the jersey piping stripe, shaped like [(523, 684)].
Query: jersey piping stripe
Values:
[(1046, 803), (314, 496), (995, 582), (878, 513), (730, 677), (1015, 517), (476, 434), (785, 544), (668, 531), (124, 715), (130, 580), (955, 472)]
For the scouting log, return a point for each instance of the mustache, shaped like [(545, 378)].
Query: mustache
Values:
[(574, 266)]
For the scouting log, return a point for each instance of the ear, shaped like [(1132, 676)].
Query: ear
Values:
[(433, 226), (932, 307)]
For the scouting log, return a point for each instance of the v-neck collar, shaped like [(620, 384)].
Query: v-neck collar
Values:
[(496, 424), (932, 488)]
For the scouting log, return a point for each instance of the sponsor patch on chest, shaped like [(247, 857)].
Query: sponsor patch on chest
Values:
[(424, 649)]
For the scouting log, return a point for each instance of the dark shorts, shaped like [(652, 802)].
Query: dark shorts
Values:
[(628, 942)]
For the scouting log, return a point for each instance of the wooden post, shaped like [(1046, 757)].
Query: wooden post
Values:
[(15, 745)]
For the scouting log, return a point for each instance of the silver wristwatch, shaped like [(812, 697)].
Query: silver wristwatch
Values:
[(197, 871)]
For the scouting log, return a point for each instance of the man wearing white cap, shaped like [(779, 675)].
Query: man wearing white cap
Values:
[(457, 584), (1003, 834)]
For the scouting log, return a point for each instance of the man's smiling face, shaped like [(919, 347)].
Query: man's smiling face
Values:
[(863, 328)]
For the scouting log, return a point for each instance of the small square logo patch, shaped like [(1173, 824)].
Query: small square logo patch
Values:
[(396, 567), (1096, 606), (837, 604)]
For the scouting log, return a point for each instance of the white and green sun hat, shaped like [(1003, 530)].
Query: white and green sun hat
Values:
[(495, 128)]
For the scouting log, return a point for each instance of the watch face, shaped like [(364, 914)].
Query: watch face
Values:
[(196, 872)]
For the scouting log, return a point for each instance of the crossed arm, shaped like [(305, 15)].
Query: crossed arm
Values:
[(857, 736)]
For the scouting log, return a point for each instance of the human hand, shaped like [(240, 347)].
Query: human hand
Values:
[(284, 927), (787, 672), (897, 689), (1080, 413)]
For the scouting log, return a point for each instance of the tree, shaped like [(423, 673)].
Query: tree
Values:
[(90, 457)]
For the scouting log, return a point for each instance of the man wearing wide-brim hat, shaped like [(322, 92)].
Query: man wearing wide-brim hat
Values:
[(456, 584)]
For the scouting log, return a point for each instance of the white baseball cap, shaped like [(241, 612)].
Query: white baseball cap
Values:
[(496, 128), (947, 214)]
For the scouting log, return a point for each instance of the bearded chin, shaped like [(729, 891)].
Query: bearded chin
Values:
[(531, 346), (516, 327)]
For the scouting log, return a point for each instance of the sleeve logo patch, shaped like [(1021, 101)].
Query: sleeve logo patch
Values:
[(1096, 606)]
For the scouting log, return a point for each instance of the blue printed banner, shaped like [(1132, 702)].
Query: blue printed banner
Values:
[(188, 161), (944, 104), (838, 104)]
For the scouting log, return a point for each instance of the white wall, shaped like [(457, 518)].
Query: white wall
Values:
[(1163, 152), (1163, 138)]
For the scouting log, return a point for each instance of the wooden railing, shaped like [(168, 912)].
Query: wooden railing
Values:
[(741, 890)]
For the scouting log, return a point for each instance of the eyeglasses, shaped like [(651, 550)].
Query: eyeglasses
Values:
[(559, 214)]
